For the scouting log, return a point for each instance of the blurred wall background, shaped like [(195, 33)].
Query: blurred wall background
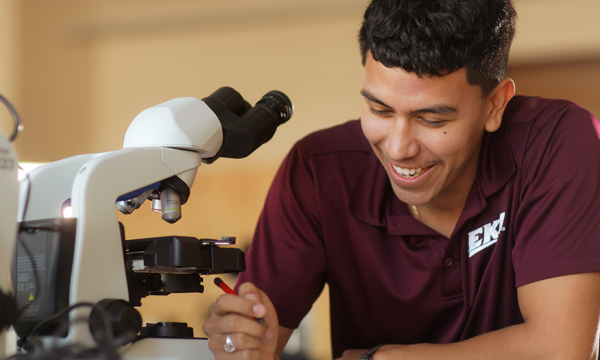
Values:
[(80, 71)]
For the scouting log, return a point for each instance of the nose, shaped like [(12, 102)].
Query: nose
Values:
[(401, 141)]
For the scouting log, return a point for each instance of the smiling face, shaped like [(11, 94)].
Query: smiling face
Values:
[(426, 132)]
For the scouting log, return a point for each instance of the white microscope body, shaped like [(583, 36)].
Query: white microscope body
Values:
[(167, 140), (8, 226)]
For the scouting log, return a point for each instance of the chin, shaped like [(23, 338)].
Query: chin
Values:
[(412, 198)]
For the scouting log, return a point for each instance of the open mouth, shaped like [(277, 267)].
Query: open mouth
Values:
[(410, 173)]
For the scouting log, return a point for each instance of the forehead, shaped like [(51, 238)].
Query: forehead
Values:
[(392, 85)]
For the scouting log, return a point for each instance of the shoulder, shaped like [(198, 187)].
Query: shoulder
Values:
[(344, 138), (537, 123), (540, 112), (332, 159), (336, 152), (537, 132), (554, 194)]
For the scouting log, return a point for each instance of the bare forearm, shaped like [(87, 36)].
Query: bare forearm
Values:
[(515, 342)]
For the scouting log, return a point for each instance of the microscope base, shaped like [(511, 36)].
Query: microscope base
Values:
[(166, 348)]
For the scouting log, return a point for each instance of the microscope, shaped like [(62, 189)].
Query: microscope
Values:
[(8, 224), (77, 280)]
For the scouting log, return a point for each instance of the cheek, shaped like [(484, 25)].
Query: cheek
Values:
[(374, 128), (454, 147)]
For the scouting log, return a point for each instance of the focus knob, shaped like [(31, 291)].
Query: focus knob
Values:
[(123, 319)]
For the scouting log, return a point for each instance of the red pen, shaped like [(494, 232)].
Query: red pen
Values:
[(220, 283)]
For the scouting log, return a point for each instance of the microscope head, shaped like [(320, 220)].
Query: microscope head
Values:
[(220, 125)]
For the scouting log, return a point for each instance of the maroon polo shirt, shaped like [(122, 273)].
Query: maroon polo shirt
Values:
[(331, 216)]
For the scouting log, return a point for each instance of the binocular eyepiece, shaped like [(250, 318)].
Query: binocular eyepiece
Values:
[(245, 128)]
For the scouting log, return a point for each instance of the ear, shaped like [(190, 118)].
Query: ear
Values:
[(498, 99)]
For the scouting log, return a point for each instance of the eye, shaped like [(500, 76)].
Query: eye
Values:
[(432, 123), (379, 112)]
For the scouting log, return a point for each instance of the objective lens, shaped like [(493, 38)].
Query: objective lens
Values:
[(130, 205), (170, 203), (156, 205)]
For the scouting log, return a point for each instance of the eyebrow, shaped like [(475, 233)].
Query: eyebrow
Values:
[(438, 109), (373, 98)]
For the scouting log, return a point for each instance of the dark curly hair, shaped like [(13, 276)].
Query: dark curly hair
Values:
[(437, 37)]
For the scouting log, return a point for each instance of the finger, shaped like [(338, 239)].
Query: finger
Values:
[(240, 341), (235, 323), (245, 342), (227, 303), (240, 355), (245, 348), (251, 292), (221, 354)]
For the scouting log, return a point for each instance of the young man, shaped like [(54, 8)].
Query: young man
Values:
[(453, 221)]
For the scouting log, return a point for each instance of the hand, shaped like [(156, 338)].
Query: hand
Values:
[(352, 354), (236, 316), (387, 351)]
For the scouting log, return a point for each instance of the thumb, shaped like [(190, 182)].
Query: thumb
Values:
[(265, 308)]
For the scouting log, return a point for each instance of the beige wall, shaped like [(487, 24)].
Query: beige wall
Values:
[(89, 67), (56, 83), (79, 72), (574, 80), (9, 48)]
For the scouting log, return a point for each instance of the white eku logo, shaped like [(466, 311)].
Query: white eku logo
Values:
[(490, 232)]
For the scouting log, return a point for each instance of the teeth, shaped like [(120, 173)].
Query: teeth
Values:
[(409, 173)]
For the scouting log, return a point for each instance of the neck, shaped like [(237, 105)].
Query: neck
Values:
[(442, 213), (441, 219)]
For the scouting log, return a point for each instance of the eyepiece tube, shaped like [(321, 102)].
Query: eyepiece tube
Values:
[(245, 132), (231, 100), (281, 105)]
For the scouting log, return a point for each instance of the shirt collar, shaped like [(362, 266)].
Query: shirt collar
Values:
[(373, 201)]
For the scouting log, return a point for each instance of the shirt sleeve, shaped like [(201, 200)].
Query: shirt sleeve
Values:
[(286, 258), (558, 221)]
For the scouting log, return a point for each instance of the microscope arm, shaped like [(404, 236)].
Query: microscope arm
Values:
[(46, 188)]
